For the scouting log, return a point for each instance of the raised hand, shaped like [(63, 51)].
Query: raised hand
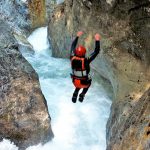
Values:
[(79, 33), (97, 37)]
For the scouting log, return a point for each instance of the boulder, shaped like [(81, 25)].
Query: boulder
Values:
[(24, 117)]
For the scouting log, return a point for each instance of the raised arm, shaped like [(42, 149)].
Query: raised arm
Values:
[(74, 43), (97, 48), (73, 46)]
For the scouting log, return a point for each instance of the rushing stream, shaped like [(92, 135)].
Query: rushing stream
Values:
[(79, 126)]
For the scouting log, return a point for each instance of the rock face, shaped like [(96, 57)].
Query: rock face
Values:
[(37, 12), (24, 117), (24, 14), (16, 13), (124, 59), (50, 4), (129, 128)]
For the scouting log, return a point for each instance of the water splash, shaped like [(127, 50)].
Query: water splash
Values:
[(7, 145), (39, 41)]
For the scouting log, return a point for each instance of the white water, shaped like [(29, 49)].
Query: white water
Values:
[(79, 126)]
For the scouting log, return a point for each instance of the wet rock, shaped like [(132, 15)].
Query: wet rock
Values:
[(23, 44), (24, 117)]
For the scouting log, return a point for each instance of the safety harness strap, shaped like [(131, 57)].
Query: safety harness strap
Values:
[(80, 72)]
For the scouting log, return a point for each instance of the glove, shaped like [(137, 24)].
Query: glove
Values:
[(97, 37)]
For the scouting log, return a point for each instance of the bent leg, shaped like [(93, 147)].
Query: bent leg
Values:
[(75, 95), (82, 95), (85, 90)]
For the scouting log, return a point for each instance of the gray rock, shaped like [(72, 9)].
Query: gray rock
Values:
[(133, 124), (24, 117), (16, 14)]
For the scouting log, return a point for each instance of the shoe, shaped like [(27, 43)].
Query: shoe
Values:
[(74, 98), (81, 98)]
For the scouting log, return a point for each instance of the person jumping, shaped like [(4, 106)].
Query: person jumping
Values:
[(81, 66)]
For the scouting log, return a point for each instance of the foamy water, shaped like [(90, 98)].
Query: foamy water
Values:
[(79, 126)]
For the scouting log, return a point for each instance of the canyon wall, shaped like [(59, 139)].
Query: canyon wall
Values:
[(124, 59), (24, 15), (37, 12), (24, 117), (16, 14)]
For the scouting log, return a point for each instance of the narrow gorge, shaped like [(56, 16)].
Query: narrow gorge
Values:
[(36, 111), (124, 60)]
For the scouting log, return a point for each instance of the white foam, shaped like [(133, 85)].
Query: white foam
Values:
[(7, 145), (24, 1), (38, 39)]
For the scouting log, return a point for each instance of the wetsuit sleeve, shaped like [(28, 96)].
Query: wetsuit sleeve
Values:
[(73, 46), (96, 51)]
